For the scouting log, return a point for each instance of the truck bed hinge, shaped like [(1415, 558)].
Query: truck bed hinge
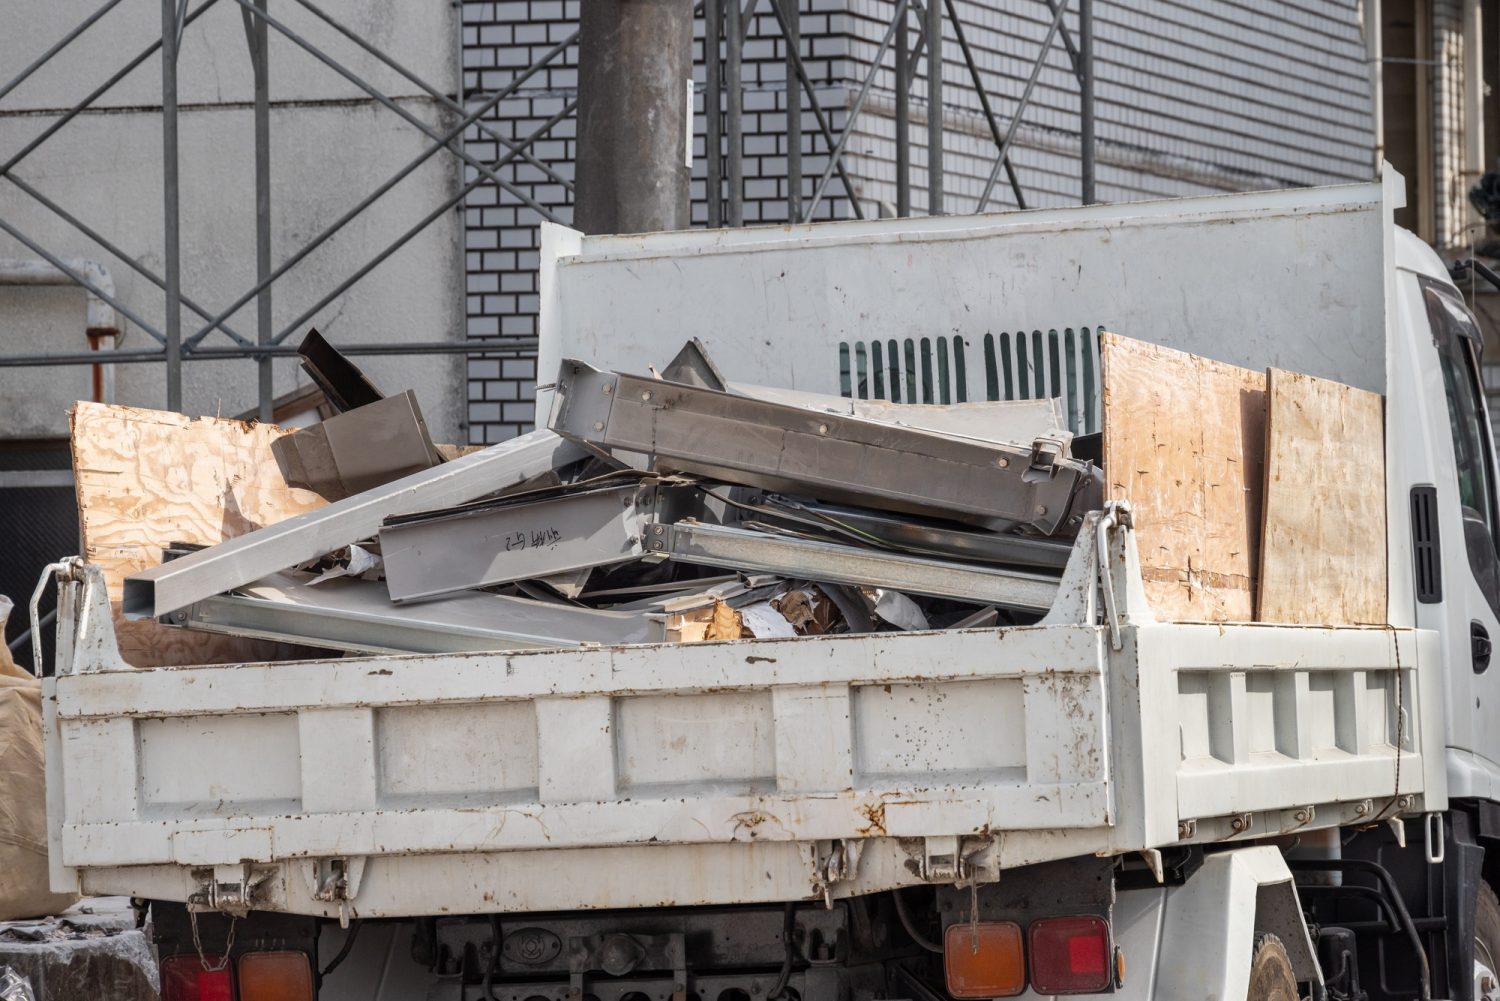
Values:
[(336, 881), (1116, 520), (958, 859), (831, 862), (228, 889)]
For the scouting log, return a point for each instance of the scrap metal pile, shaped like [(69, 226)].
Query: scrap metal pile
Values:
[(674, 507)]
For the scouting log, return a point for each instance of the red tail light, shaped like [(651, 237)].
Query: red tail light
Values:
[(1069, 955), (188, 978)]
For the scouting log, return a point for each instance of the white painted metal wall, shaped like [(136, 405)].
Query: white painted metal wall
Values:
[(1192, 274)]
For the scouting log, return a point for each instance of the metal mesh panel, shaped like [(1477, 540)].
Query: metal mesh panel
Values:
[(38, 525)]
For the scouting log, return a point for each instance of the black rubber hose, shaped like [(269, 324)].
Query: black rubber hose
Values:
[(788, 928), (344, 950), (911, 926), (489, 972)]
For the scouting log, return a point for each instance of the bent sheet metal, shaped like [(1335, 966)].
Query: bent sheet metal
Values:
[(789, 448)]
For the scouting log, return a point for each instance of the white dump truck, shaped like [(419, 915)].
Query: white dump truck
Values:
[(1099, 801)]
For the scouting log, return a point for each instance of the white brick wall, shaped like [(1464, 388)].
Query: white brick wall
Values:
[(1192, 96)]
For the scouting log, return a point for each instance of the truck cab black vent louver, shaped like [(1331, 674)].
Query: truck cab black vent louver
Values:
[(1427, 560)]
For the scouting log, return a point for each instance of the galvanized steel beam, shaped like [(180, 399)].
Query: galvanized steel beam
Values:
[(358, 617), (918, 535), (747, 551), (237, 562), (791, 449)]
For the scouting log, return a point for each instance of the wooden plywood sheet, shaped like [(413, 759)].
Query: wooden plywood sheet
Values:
[(147, 478), (1323, 549), (1184, 442)]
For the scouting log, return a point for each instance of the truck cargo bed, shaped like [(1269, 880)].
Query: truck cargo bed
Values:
[(722, 772)]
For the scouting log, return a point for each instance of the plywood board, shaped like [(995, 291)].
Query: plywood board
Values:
[(148, 478), (1323, 548), (1184, 442)]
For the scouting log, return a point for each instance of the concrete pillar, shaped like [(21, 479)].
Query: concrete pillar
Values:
[(635, 71)]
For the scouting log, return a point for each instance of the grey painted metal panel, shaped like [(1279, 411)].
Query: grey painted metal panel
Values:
[(716, 546), (272, 549)]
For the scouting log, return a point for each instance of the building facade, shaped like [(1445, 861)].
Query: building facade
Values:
[(1191, 97)]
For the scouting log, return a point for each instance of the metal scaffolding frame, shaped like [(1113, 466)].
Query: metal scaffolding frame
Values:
[(727, 22), (912, 44), (268, 343)]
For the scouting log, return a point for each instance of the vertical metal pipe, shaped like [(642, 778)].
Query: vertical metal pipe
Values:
[(1086, 96), (713, 103), (903, 119), (734, 43), (934, 107), (793, 112), (260, 54), (1473, 102), (170, 247)]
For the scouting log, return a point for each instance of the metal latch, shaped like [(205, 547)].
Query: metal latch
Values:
[(85, 631), (1116, 517), (831, 862), (336, 881), (228, 889), (959, 859)]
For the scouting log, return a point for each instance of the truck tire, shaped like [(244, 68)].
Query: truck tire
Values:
[(1271, 976), (1486, 937)]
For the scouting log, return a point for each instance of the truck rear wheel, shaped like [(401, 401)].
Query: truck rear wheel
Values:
[(1271, 976)]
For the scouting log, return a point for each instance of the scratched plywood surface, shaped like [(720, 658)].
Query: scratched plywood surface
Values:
[(1184, 442), (146, 478), (1323, 550)]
